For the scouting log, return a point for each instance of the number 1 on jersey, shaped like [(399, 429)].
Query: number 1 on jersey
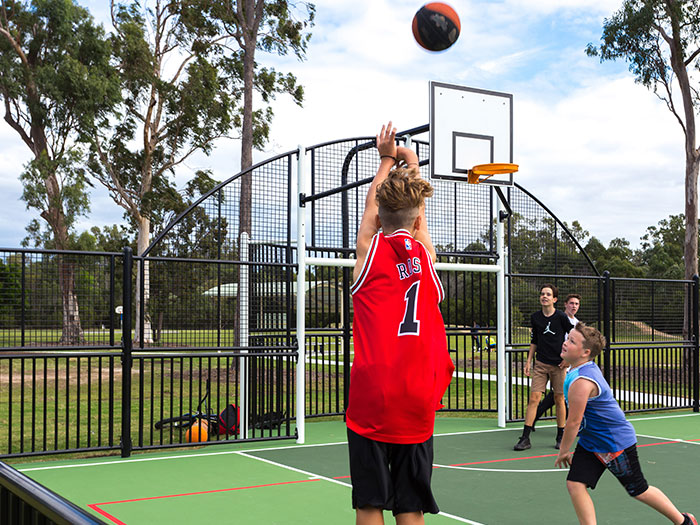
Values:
[(410, 324)]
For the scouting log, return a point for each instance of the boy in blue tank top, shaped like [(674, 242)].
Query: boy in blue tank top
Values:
[(606, 439)]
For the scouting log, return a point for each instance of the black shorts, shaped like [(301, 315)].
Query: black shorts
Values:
[(390, 476), (586, 468)]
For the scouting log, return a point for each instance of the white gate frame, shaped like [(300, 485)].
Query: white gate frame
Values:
[(303, 262)]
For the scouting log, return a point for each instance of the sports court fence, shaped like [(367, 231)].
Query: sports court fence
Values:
[(211, 308)]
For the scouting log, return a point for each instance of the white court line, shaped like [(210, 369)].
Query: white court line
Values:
[(499, 470), (337, 482), (181, 456), (313, 445), (294, 469), (663, 417), (669, 439)]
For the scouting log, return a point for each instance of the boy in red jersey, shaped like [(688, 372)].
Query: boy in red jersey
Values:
[(402, 366)]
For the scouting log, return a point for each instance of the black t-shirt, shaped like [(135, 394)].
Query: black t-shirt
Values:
[(548, 334)]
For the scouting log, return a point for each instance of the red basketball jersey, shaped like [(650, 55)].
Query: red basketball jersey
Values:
[(401, 366)]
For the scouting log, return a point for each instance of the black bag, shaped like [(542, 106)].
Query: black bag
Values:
[(270, 420), (229, 420)]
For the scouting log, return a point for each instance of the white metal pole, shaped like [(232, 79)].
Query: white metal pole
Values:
[(244, 302), (507, 325), (301, 298), (501, 317)]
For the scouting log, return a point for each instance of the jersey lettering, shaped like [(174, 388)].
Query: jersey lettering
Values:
[(406, 270), (410, 325)]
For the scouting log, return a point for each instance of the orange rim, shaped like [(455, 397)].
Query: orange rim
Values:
[(494, 168)]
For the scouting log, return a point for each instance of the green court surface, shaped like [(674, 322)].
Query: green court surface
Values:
[(478, 478)]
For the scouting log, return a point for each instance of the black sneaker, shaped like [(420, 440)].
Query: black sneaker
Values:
[(557, 445), (522, 444)]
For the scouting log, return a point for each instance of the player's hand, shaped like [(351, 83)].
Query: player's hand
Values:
[(407, 155), (563, 365), (563, 459), (527, 368), (386, 140)]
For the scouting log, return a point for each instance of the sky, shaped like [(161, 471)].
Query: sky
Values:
[(592, 145)]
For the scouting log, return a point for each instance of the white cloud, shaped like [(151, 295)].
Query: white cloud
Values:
[(593, 146)]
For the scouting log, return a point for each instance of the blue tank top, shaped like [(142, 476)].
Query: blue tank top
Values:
[(604, 427)]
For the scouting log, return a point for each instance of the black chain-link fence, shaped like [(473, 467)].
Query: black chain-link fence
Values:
[(213, 311)]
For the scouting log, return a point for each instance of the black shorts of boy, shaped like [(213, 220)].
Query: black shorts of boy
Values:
[(586, 468), (391, 476)]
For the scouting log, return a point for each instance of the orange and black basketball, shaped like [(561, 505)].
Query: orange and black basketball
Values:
[(436, 26)]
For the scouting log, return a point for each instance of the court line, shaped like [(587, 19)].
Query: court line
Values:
[(668, 440), (312, 445), (480, 469), (338, 482), (312, 477), (96, 506), (294, 469)]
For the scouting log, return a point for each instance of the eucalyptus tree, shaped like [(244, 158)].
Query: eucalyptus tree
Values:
[(660, 40), (277, 27), (180, 90), (55, 78)]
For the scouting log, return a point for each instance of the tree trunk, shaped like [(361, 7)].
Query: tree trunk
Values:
[(691, 217), (144, 225), (72, 331), (246, 202), (690, 254), (680, 69)]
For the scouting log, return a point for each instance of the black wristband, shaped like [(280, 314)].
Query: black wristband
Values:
[(387, 157)]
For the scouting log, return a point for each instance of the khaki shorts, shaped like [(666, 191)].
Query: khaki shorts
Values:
[(542, 372)]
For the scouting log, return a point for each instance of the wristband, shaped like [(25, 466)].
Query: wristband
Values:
[(387, 157)]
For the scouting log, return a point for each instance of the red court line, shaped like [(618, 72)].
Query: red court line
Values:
[(555, 455), (95, 506)]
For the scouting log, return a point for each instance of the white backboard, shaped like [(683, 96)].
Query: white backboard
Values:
[(469, 126)]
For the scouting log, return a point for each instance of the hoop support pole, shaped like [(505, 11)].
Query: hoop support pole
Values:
[(301, 298), (501, 315)]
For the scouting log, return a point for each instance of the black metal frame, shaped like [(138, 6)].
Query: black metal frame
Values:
[(171, 370)]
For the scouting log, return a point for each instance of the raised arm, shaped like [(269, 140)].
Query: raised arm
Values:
[(409, 156), (386, 146)]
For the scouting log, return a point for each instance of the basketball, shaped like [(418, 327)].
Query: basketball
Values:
[(436, 26), (198, 432)]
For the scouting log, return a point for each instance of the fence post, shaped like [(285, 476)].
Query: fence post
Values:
[(696, 343), (22, 318), (126, 355), (606, 328)]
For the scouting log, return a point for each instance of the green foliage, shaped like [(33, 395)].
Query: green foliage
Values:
[(632, 34), (72, 186), (54, 80), (662, 247), (10, 284), (540, 245), (660, 41), (179, 96), (619, 259)]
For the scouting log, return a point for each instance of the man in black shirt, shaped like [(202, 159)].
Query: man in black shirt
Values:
[(549, 328)]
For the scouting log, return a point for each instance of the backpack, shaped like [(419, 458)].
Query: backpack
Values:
[(229, 420), (270, 420)]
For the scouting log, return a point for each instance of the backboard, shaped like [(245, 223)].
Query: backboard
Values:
[(468, 127)]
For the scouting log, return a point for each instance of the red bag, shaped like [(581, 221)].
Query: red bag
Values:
[(229, 420)]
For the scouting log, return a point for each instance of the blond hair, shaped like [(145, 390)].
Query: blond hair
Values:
[(400, 198), (592, 339)]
